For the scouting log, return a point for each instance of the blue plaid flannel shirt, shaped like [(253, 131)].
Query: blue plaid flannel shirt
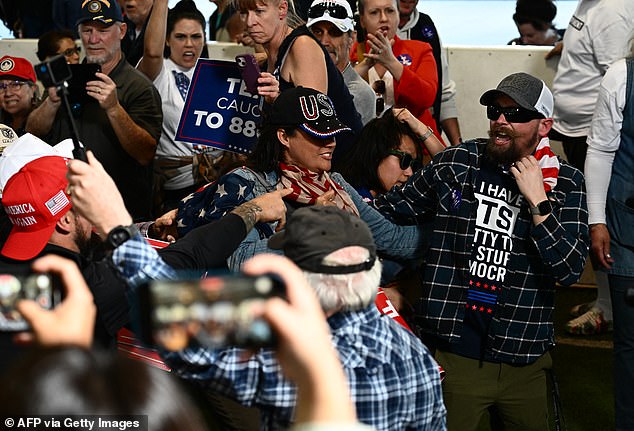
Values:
[(553, 251), (394, 380)]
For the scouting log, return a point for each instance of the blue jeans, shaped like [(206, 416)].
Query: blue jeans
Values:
[(623, 352)]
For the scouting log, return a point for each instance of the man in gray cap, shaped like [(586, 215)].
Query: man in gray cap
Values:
[(509, 222), (331, 22)]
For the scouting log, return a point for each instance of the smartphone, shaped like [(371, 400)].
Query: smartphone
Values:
[(45, 289), (214, 312), (53, 72), (81, 74), (250, 71)]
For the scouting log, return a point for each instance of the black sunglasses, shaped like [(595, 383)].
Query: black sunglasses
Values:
[(406, 160), (513, 114), (70, 51), (334, 10)]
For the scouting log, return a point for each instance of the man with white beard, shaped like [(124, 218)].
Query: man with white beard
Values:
[(120, 117)]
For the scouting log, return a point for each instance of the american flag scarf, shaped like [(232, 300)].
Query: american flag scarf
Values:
[(308, 186), (548, 162)]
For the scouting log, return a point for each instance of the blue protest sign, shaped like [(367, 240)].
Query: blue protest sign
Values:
[(219, 112)]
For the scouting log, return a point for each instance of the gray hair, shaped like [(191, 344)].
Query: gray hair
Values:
[(346, 292)]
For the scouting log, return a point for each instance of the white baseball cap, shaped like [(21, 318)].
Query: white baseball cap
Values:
[(337, 12), (26, 149)]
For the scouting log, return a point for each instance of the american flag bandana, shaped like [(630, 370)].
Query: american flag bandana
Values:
[(548, 162), (308, 186)]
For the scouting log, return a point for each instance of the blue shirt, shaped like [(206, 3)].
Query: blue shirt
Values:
[(394, 380)]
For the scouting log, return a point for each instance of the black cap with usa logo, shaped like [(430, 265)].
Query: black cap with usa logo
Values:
[(308, 109)]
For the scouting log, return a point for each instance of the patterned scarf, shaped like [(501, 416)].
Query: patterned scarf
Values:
[(308, 186), (549, 163)]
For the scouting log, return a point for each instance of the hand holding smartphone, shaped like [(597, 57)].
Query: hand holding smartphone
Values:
[(250, 71), (44, 289), (81, 74), (216, 311)]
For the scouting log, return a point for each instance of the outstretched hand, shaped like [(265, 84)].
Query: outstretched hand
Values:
[(164, 227)]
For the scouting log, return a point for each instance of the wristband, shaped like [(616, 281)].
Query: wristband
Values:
[(427, 134)]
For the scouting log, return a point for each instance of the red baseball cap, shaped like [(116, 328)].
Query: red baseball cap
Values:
[(16, 67), (34, 199)]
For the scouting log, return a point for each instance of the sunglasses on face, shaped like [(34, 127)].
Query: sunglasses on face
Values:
[(406, 160), (334, 10), (13, 85), (71, 51), (514, 114)]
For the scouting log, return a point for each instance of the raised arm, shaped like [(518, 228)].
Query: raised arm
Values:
[(154, 41), (305, 65)]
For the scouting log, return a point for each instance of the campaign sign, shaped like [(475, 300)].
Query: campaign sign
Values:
[(219, 112)]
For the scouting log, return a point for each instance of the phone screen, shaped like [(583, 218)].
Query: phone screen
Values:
[(81, 74), (44, 289), (215, 311)]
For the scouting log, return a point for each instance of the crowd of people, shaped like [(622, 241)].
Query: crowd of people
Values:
[(359, 184)]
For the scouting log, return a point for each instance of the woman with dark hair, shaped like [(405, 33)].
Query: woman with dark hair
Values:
[(294, 151), (75, 381), (388, 153), (534, 21), (58, 42), (174, 42)]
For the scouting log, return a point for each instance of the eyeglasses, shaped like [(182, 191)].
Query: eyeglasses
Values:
[(334, 10), (406, 160), (13, 85), (513, 114), (71, 51), (379, 89)]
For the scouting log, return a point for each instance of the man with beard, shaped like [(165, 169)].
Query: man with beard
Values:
[(44, 222), (509, 222), (119, 119), (332, 24)]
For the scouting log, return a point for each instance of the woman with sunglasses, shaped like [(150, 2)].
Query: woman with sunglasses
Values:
[(296, 58), (401, 72), (389, 154), (58, 42), (294, 151), (18, 93)]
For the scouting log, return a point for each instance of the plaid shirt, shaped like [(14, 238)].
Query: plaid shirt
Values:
[(394, 380), (553, 251)]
